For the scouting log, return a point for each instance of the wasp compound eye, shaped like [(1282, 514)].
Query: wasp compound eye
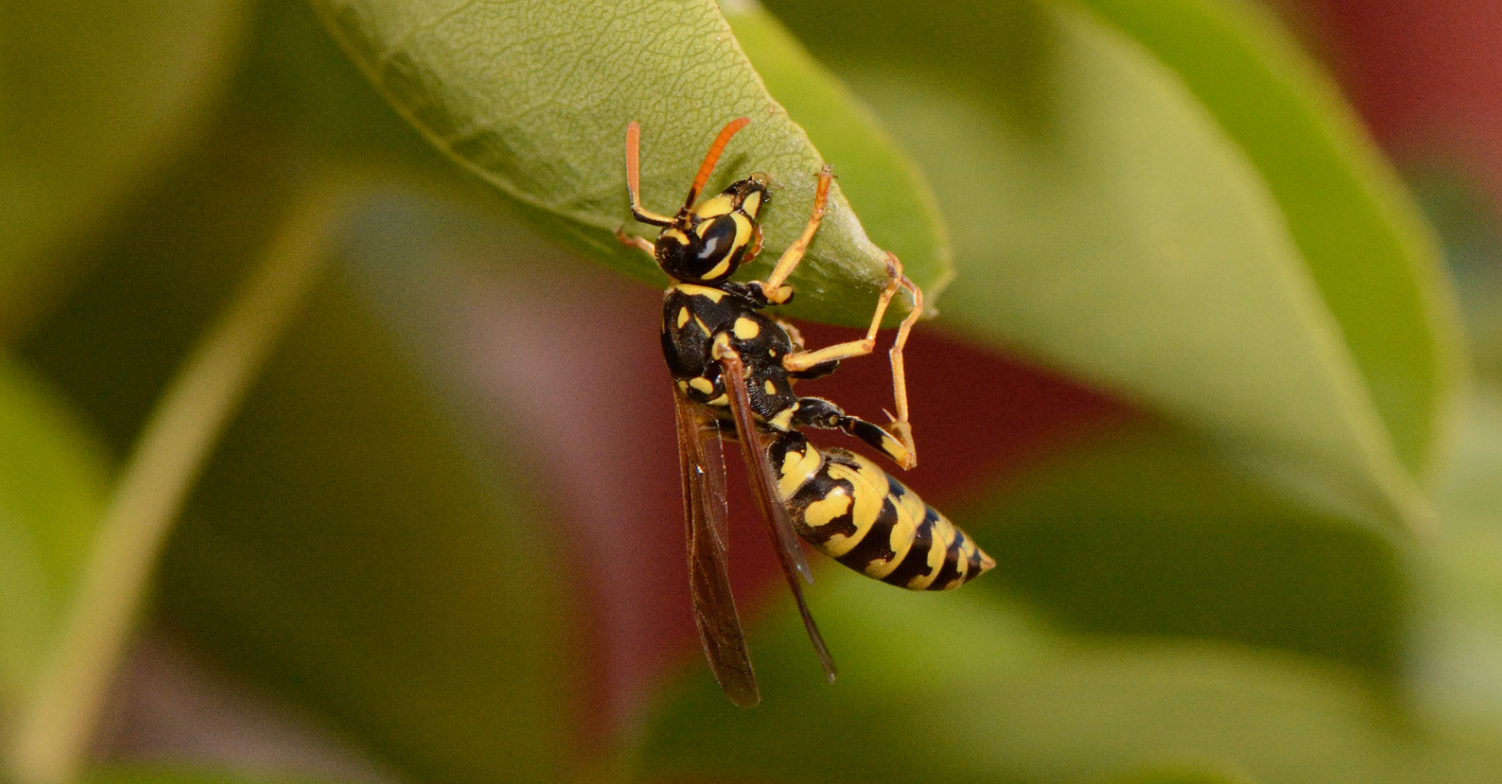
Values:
[(710, 252), (717, 240)]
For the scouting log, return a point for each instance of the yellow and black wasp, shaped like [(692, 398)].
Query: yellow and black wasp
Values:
[(734, 369)]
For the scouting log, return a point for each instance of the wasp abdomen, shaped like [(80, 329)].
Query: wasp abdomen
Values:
[(858, 514)]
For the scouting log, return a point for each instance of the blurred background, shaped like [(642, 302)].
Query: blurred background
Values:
[(322, 459)]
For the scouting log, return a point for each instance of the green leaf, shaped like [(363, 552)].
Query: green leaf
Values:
[(57, 721), (52, 485), (1359, 233), (483, 81), (339, 117), (353, 546), (895, 201), (348, 543), (179, 774), (964, 688), (1461, 630), (1180, 774), (1146, 530), (1463, 212), (93, 95), (1105, 223)]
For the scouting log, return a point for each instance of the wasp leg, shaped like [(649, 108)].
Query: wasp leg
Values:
[(636, 242), (796, 339), (900, 425), (818, 412), (773, 287), (803, 361), (794, 336)]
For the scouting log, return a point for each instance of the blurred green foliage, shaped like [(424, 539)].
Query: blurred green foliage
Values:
[(1164, 200)]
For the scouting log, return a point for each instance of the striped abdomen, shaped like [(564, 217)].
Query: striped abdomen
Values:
[(857, 514)]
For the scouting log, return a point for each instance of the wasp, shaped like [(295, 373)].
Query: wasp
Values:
[(733, 369)]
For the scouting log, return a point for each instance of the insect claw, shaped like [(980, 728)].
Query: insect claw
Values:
[(904, 433)]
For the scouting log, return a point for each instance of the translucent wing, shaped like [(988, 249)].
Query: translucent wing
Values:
[(773, 511), (712, 458), (703, 472)]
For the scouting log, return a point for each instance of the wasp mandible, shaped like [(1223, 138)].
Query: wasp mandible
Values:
[(733, 368)]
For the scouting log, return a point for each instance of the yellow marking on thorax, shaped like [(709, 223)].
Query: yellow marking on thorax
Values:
[(769, 387), (797, 469), (695, 290), (746, 329), (704, 385), (719, 401), (682, 317), (702, 326), (783, 419)]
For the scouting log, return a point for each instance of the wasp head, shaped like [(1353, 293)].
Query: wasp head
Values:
[(707, 242)]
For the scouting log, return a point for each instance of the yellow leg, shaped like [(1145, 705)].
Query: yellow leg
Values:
[(636, 242), (794, 336), (900, 426), (773, 287), (803, 360)]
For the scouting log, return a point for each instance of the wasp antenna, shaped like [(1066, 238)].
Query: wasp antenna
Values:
[(712, 157), (633, 178), (633, 163)]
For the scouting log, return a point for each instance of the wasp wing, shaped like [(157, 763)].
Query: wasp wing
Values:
[(711, 457), (703, 473), (773, 510)]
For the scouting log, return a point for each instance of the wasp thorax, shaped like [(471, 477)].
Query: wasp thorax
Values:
[(707, 242)]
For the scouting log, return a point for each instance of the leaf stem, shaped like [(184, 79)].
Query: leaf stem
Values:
[(57, 723)]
